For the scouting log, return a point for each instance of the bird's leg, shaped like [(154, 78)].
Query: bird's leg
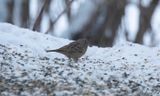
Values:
[(69, 61), (75, 60), (72, 62)]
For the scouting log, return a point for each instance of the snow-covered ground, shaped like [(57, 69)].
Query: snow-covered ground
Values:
[(27, 70)]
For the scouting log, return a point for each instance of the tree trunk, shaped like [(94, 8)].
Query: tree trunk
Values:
[(10, 7), (25, 14), (145, 20)]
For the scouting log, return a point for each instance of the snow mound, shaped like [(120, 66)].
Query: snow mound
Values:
[(27, 70)]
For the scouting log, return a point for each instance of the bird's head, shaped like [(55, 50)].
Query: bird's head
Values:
[(84, 42)]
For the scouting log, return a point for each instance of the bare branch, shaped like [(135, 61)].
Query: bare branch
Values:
[(36, 26), (64, 11)]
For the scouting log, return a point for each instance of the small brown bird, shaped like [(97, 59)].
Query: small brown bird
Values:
[(73, 50)]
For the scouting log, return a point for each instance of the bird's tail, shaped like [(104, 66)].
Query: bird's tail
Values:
[(50, 50)]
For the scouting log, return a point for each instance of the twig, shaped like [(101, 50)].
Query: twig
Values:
[(36, 26), (65, 10)]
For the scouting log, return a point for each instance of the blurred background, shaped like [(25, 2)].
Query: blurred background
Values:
[(103, 22)]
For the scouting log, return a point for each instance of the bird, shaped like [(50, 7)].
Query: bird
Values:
[(73, 50)]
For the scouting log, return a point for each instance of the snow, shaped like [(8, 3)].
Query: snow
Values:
[(126, 69)]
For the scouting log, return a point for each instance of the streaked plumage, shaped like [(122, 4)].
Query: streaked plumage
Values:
[(73, 50)]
